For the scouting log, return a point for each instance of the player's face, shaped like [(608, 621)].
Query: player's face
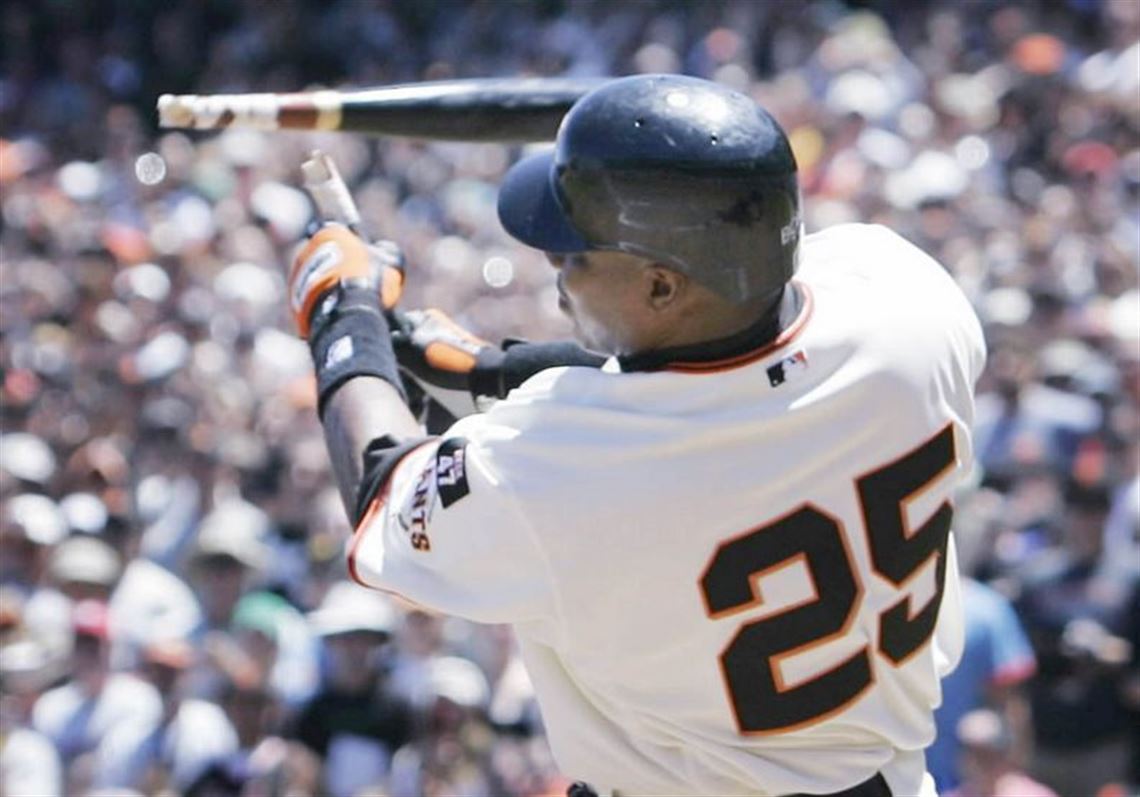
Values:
[(604, 295)]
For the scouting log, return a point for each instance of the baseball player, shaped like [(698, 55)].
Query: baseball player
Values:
[(721, 527)]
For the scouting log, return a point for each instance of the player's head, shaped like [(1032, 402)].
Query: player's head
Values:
[(676, 171)]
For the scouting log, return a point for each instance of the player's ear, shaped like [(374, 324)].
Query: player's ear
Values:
[(665, 286)]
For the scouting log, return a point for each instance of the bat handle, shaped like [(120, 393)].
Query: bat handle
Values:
[(327, 188), (330, 194)]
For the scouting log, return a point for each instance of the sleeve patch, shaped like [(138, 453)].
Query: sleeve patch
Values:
[(451, 470), (416, 511), (444, 476)]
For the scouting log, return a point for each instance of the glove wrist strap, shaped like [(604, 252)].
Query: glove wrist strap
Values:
[(349, 337), (499, 371), (486, 378)]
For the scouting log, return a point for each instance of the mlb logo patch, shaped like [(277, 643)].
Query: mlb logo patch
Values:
[(787, 368)]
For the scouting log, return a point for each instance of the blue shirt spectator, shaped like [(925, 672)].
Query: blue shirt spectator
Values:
[(996, 657)]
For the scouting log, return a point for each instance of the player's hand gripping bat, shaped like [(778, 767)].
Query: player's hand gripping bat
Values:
[(417, 342), (338, 251)]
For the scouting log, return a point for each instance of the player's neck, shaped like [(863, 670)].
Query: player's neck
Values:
[(721, 320), (732, 335)]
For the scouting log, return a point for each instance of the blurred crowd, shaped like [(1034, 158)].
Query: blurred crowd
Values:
[(175, 615)]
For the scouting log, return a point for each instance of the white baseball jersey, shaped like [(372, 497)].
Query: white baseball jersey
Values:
[(728, 577)]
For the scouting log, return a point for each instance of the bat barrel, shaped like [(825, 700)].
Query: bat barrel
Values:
[(484, 109)]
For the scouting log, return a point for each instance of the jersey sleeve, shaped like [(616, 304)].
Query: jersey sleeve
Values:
[(442, 529), (949, 631)]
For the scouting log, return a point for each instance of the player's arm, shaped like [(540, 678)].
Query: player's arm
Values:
[(463, 372), (444, 527), (339, 289), (365, 412)]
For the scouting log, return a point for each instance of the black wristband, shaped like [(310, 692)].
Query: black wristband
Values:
[(349, 337), (499, 371)]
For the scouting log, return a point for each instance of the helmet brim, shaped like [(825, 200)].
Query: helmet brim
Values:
[(530, 211)]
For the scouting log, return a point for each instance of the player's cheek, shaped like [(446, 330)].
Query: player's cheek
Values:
[(586, 327)]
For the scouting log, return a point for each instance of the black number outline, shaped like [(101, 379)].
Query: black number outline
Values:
[(888, 561), (888, 498), (856, 665)]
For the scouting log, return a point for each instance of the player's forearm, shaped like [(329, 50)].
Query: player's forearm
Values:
[(361, 410)]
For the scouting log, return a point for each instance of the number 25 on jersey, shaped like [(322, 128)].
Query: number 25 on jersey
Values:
[(761, 701)]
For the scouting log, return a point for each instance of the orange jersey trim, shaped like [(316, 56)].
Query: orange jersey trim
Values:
[(373, 510), (783, 339)]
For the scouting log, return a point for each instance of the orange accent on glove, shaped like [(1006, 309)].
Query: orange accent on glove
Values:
[(333, 254), (446, 358), (446, 345), (391, 286)]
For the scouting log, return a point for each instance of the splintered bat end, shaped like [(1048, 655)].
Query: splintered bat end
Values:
[(175, 111), (214, 111), (317, 169), (328, 190)]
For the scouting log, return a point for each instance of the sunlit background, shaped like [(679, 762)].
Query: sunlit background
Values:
[(170, 545)]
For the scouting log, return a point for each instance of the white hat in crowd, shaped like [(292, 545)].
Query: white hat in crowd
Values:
[(459, 681), (238, 529), (37, 517), (85, 560), (85, 512), (27, 457), (348, 607)]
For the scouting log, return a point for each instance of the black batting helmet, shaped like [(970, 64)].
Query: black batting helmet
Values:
[(684, 171)]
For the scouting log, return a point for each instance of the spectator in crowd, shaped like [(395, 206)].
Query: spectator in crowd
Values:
[(1081, 611), (420, 639), (260, 761), (29, 526), (29, 763), (96, 716), (229, 556), (996, 662), (193, 734), (81, 567), (988, 768), (270, 630), (452, 756), (1024, 421), (354, 724), (148, 601)]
